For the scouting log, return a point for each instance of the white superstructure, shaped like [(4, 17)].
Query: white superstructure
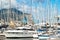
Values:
[(20, 33)]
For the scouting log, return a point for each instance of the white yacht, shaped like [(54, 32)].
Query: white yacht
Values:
[(21, 33)]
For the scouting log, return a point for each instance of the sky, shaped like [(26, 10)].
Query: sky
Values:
[(40, 9)]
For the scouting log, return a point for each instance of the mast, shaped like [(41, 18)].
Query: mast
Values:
[(10, 11), (3, 16), (30, 14), (23, 12), (41, 13), (8, 15), (48, 15), (56, 15), (52, 16), (2, 20), (1, 13), (11, 24), (48, 4), (32, 8), (42, 17), (16, 15)]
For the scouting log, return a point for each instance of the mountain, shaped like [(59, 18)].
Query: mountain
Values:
[(12, 13)]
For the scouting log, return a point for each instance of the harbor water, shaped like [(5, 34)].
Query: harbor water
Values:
[(32, 39), (21, 39)]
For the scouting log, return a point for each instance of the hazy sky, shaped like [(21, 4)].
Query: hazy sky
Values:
[(40, 9)]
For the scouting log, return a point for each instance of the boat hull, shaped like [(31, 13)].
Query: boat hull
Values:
[(20, 33)]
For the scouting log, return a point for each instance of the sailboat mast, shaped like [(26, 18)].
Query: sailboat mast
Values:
[(48, 10), (16, 14), (56, 15), (41, 16), (17, 18), (1, 12), (10, 11), (51, 20), (3, 15), (23, 12)]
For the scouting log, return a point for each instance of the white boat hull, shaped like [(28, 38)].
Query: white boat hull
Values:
[(19, 33)]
